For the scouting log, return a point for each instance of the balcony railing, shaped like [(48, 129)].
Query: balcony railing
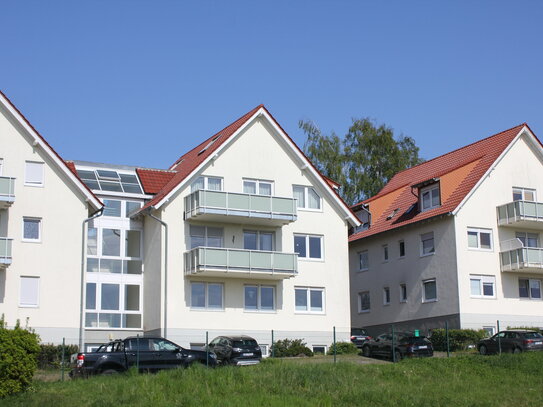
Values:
[(515, 257), (5, 252), (521, 213), (7, 192), (213, 205), (239, 263)]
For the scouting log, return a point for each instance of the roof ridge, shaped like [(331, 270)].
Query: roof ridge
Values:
[(156, 169)]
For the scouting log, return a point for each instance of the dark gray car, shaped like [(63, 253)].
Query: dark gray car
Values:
[(236, 350), (512, 341)]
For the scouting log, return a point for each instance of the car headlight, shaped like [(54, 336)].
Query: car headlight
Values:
[(236, 349)]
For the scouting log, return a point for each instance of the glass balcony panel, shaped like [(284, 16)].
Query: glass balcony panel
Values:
[(213, 199), (213, 257), (239, 259), (261, 260), (260, 203), (7, 186), (521, 214), (239, 202)]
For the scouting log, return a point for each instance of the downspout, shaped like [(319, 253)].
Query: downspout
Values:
[(83, 291), (165, 329)]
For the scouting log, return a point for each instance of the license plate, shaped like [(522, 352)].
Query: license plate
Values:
[(539, 343), (247, 354), (423, 347)]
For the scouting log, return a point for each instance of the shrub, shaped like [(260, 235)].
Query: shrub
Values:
[(50, 355), (459, 339), (290, 348), (343, 348), (19, 349)]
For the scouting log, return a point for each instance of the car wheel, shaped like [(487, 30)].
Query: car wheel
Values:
[(397, 355), (483, 350), (366, 351), (109, 372), (517, 350)]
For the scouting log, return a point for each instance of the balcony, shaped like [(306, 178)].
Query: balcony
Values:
[(514, 257), (5, 252), (521, 214), (7, 192), (219, 206), (239, 263)]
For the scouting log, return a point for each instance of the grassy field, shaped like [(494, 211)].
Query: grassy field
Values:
[(507, 380)]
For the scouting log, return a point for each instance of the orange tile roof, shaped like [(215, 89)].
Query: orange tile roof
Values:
[(153, 181), (458, 172)]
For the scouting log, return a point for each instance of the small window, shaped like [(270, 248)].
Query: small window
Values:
[(112, 208), (429, 290), (206, 296), (427, 244), (529, 288), (524, 194), (309, 299), (34, 173), (364, 301), (363, 259), (385, 252), (480, 239), (403, 292), (429, 197), (319, 349), (482, 286), (208, 183), (306, 197), (401, 245), (386, 296), (259, 298), (29, 292), (308, 246), (257, 187), (489, 331), (31, 229)]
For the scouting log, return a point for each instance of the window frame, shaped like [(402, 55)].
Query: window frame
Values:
[(257, 186), (360, 303), (429, 189), (308, 290), (306, 198), (36, 303), (206, 236), (386, 296), (429, 300), (403, 287), (29, 240), (206, 183), (522, 191), (258, 234), (482, 280), (401, 244), (422, 240), (28, 183), (360, 260), (307, 246), (386, 254), (206, 307), (529, 287), (478, 232), (259, 298)]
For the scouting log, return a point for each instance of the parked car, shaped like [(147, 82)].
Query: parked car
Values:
[(406, 344), (514, 341), (148, 354), (236, 350), (359, 336)]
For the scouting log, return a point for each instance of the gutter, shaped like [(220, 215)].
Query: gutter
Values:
[(83, 291)]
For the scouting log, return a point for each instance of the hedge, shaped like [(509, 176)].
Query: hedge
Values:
[(291, 348), (343, 348), (459, 339), (50, 356)]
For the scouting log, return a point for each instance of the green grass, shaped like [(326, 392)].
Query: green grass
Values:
[(507, 380)]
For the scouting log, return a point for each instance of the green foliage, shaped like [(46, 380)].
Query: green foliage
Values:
[(18, 352), (459, 339), (51, 355), (285, 348), (364, 160), (343, 348)]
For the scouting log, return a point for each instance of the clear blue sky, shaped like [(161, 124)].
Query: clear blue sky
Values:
[(141, 82)]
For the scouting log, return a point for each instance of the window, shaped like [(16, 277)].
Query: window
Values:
[(209, 183), (259, 298), (482, 286), (256, 240), (29, 292), (386, 296), (306, 197), (429, 292), (31, 229), (34, 174), (309, 299), (111, 242), (364, 301), (308, 246), (385, 252), (125, 245), (480, 239), (363, 259), (206, 296), (109, 180), (528, 239), (131, 207), (401, 245), (529, 288), (427, 244), (204, 236), (133, 243), (429, 197), (489, 331), (523, 194), (403, 292), (257, 187), (112, 208), (113, 305), (319, 349)]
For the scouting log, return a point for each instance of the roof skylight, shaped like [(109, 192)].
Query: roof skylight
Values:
[(108, 180)]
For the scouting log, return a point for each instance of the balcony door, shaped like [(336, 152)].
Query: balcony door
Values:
[(257, 240)]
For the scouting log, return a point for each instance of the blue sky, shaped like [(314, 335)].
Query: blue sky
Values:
[(141, 82)]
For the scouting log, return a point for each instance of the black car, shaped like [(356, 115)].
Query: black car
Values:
[(513, 341), (236, 350), (359, 337), (406, 344)]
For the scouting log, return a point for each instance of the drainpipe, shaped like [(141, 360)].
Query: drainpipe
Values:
[(83, 291), (165, 329)]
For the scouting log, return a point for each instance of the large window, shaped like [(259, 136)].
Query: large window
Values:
[(429, 290), (258, 240), (34, 172), (482, 286), (306, 197), (113, 305), (480, 238), (364, 301), (429, 197), (31, 229), (523, 194), (114, 251), (363, 260), (529, 288), (308, 246), (206, 296), (427, 244), (257, 187), (205, 236), (309, 299), (259, 298), (528, 239), (29, 294), (205, 182)]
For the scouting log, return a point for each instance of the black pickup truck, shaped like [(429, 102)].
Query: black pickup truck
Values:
[(145, 353)]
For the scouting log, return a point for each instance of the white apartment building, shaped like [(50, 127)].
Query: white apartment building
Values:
[(454, 239), (241, 235)]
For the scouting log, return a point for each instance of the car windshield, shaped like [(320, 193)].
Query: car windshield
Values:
[(533, 335), (244, 342), (359, 331)]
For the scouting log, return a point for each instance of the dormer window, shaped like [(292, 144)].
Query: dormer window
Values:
[(429, 197)]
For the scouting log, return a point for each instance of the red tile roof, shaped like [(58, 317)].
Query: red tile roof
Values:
[(153, 181), (458, 172)]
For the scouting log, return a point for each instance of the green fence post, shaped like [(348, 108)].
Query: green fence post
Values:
[(335, 345), (393, 345), (447, 336), (273, 346), (62, 359), (138, 352), (499, 339), (207, 349)]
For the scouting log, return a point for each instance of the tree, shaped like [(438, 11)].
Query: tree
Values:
[(364, 160)]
